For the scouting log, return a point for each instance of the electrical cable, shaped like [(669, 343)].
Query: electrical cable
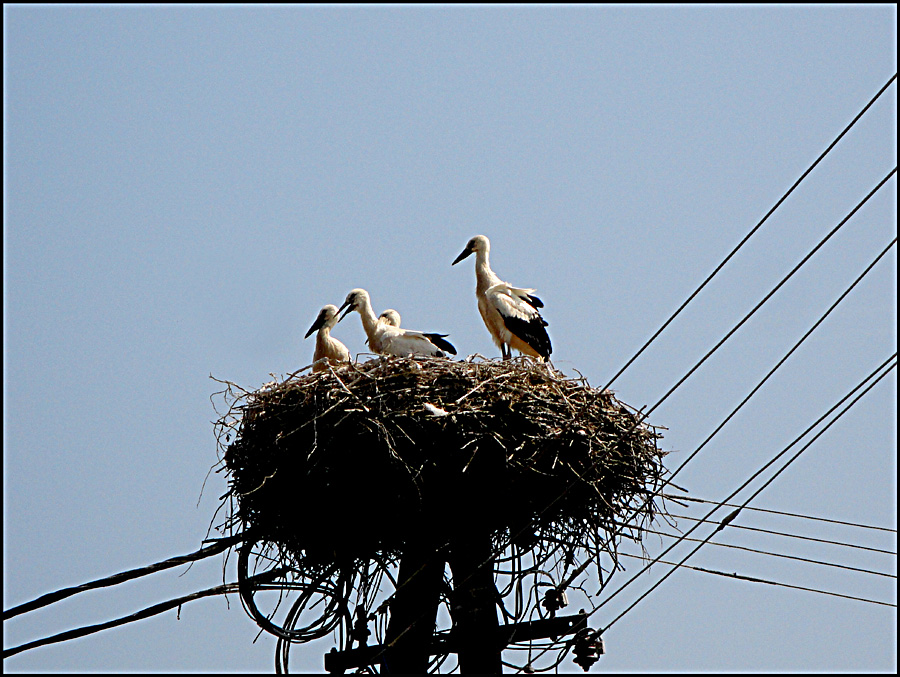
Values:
[(861, 385), (756, 493), (780, 512), (787, 355), (772, 554), (786, 535), (752, 231), (771, 293), (218, 546), (753, 579), (137, 616), (789, 352)]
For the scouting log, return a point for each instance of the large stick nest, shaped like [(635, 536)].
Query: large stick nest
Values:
[(351, 463)]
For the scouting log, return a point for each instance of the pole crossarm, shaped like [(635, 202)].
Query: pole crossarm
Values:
[(337, 662)]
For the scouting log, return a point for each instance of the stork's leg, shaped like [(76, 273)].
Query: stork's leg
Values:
[(505, 351)]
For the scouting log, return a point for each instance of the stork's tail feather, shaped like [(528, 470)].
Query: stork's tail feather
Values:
[(438, 340)]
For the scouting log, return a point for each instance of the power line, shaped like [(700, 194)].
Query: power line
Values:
[(781, 453), (822, 318), (140, 615), (52, 597), (752, 231), (753, 579), (761, 470), (780, 512), (772, 554), (759, 385), (759, 305), (772, 292), (786, 535), (789, 352), (731, 516)]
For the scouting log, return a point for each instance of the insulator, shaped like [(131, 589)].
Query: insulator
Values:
[(554, 599), (360, 631), (588, 647)]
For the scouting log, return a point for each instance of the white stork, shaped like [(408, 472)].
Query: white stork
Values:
[(510, 313), (394, 334), (390, 316), (358, 300), (388, 339), (326, 346)]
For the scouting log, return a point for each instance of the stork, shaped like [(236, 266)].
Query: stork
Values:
[(390, 316), (392, 319), (358, 300), (326, 346), (389, 339), (510, 313)]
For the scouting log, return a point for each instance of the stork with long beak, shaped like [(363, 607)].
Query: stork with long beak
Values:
[(510, 313), (328, 349), (388, 339)]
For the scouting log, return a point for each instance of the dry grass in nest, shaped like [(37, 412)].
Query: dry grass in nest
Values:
[(348, 464)]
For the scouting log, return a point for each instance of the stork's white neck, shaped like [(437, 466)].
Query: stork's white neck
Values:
[(323, 337), (370, 322), (484, 276)]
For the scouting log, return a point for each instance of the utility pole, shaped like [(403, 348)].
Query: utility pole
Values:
[(470, 457), (474, 604), (413, 610)]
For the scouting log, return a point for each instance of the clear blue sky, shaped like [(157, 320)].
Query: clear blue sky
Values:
[(185, 187)]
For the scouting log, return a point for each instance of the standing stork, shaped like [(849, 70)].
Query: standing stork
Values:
[(389, 339), (326, 346), (510, 313)]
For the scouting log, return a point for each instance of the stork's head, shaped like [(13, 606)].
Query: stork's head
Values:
[(326, 318), (355, 300), (391, 317), (479, 243)]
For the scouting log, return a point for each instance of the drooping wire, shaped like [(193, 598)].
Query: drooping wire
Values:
[(668, 480), (50, 598), (137, 616), (752, 232)]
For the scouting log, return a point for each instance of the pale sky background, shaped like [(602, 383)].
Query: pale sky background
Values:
[(185, 187)]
